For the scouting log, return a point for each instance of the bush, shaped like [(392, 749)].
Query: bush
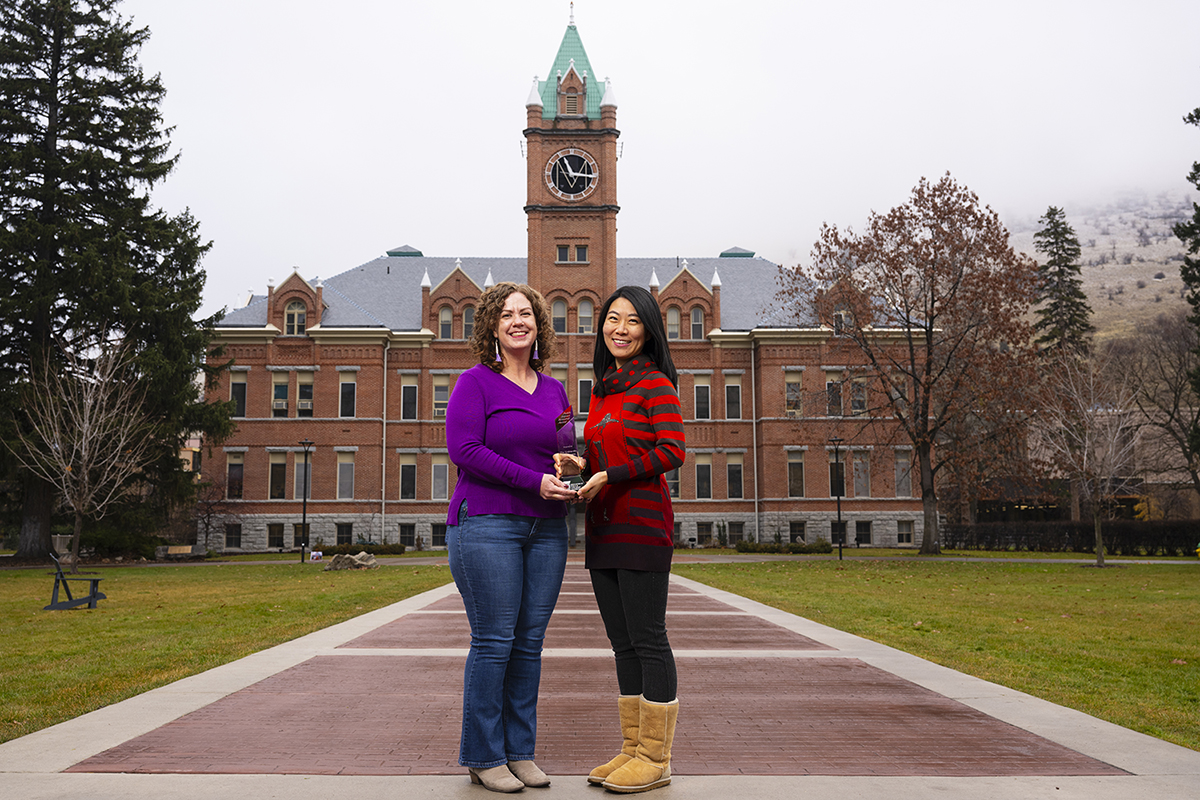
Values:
[(355, 549), (794, 548), (1124, 537)]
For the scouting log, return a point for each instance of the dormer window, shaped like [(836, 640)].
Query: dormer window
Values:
[(294, 316), (570, 103)]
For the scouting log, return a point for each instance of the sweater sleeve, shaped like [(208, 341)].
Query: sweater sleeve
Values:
[(466, 425), (653, 423)]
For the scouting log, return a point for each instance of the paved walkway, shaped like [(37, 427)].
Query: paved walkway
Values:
[(771, 706)]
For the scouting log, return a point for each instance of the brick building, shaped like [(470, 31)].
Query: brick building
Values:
[(363, 364)]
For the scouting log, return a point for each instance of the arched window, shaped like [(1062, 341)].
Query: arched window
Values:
[(697, 323), (468, 321), (673, 322), (587, 315), (294, 316), (445, 323), (558, 315)]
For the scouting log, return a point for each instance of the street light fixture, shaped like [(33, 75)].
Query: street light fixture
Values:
[(840, 490), (304, 489)]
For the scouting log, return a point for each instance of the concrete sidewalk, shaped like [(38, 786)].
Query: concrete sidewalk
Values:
[(771, 705)]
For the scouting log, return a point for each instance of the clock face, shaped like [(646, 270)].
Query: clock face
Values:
[(571, 174)]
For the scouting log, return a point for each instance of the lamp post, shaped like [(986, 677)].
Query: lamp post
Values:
[(841, 488), (304, 487)]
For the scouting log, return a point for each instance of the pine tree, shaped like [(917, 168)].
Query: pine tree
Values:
[(1062, 319), (1188, 232), (84, 256)]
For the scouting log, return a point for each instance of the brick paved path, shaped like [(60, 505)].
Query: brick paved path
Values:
[(755, 699)]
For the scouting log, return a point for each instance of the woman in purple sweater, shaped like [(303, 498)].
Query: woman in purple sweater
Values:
[(507, 532)]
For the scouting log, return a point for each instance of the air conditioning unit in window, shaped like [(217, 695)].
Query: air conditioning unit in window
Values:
[(303, 405), (279, 405), (439, 412)]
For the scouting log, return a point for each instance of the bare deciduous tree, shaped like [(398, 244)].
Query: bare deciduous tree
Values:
[(84, 431), (935, 300), (1163, 354), (1088, 428)]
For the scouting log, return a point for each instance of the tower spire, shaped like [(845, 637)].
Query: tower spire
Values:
[(572, 20)]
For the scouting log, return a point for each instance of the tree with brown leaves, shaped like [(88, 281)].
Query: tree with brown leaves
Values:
[(936, 301)]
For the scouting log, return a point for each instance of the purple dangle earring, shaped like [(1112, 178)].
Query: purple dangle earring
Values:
[(497, 351), (535, 350)]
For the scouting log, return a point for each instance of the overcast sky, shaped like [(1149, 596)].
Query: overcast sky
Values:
[(317, 135)]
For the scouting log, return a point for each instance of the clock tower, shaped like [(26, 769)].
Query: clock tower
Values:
[(571, 167)]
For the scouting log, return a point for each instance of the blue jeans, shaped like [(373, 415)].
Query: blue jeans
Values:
[(508, 570)]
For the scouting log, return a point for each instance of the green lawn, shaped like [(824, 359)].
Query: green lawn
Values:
[(1121, 643), (160, 624)]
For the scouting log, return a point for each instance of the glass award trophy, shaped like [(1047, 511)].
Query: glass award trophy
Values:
[(572, 473)]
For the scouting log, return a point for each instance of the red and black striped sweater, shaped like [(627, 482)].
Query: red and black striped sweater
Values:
[(635, 433)]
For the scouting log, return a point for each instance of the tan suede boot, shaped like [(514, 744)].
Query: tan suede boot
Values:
[(628, 708), (650, 768)]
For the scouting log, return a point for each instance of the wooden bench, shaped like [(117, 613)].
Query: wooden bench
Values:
[(94, 594)]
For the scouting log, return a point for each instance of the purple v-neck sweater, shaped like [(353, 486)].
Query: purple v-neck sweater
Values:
[(503, 441)]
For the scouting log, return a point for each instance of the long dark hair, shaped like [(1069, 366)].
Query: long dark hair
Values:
[(655, 347)]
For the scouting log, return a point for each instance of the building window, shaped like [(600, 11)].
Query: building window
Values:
[(858, 397), (235, 470), (587, 316), (345, 532), (233, 534), (303, 486), (570, 103), (903, 473), (439, 535), (564, 253), (441, 478), (793, 398), (842, 323), (795, 465), (837, 532), (345, 476), (796, 532), (837, 476), (408, 397), (904, 531), (703, 390), (697, 323), (279, 394), (304, 394), (703, 476), (862, 473), (237, 393), (672, 323), (833, 394), (559, 374), (558, 316), (733, 475), (408, 534), (300, 534), (445, 323), (862, 532), (294, 316), (581, 254), (441, 395), (408, 477), (733, 399), (672, 479), (468, 322), (275, 534), (348, 384), (704, 534), (678, 534), (737, 532), (585, 393), (277, 478)]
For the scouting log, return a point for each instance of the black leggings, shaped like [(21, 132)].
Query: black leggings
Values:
[(633, 605)]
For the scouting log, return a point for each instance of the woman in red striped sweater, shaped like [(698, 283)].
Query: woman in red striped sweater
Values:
[(634, 436)]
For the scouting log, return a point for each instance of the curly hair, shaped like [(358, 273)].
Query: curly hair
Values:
[(487, 318)]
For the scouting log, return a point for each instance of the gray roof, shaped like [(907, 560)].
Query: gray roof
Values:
[(386, 292)]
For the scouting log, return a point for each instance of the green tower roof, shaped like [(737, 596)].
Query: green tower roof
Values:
[(571, 48)]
